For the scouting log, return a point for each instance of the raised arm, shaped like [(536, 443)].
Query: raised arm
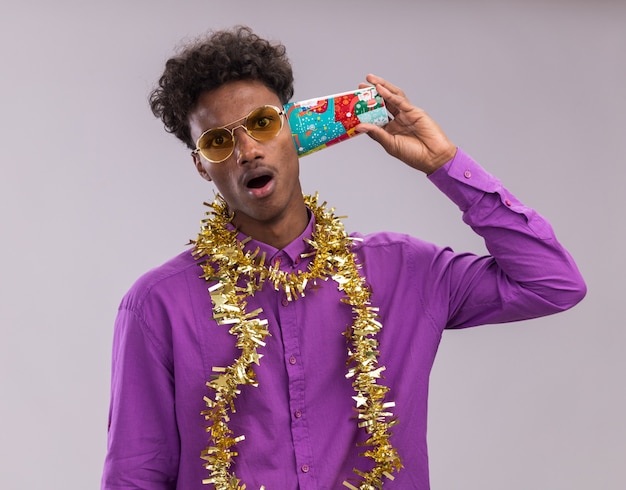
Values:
[(528, 272)]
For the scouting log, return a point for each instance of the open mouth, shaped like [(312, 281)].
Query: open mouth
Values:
[(259, 182)]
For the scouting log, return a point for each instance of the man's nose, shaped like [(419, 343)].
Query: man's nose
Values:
[(247, 148)]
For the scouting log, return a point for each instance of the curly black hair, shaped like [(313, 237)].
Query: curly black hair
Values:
[(224, 56)]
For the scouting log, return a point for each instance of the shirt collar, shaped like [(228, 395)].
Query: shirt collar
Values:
[(293, 250)]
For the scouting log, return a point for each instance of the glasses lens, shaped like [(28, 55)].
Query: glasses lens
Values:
[(264, 123), (216, 144)]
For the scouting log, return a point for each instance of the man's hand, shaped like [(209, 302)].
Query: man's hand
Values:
[(412, 136)]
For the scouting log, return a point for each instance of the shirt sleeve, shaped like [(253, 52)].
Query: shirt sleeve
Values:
[(143, 442), (528, 272)]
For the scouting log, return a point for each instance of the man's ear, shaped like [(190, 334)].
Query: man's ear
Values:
[(197, 162)]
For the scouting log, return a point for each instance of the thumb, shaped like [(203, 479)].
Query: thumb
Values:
[(377, 133)]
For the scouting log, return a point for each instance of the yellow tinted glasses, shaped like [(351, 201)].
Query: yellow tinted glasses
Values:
[(262, 124)]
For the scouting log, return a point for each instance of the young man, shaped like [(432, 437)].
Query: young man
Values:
[(279, 352)]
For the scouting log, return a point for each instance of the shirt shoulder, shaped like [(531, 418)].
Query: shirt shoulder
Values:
[(392, 242), (397, 257), (161, 278)]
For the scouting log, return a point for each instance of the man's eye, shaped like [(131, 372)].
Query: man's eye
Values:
[(220, 140), (263, 122)]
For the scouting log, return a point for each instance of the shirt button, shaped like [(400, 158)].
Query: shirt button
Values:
[(467, 174), (285, 302), (298, 414), (305, 468), (298, 260), (507, 202), (292, 360)]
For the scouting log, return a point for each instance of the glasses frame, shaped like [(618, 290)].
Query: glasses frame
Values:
[(231, 131)]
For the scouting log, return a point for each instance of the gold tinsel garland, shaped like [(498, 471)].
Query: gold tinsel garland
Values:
[(238, 274)]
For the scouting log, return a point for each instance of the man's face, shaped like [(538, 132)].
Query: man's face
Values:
[(260, 180)]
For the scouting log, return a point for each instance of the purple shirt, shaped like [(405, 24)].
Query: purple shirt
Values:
[(298, 423)]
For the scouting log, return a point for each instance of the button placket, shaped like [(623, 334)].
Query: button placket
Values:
[(288, 312)]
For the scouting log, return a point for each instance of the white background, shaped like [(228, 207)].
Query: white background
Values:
[(93, 193)]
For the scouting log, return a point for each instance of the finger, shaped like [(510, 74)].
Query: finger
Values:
[(395, 99), (376, 80), (391, 109), (377, 134), (399, 105), (388, 98)]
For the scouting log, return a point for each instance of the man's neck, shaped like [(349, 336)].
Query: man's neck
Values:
[(279, 232)]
